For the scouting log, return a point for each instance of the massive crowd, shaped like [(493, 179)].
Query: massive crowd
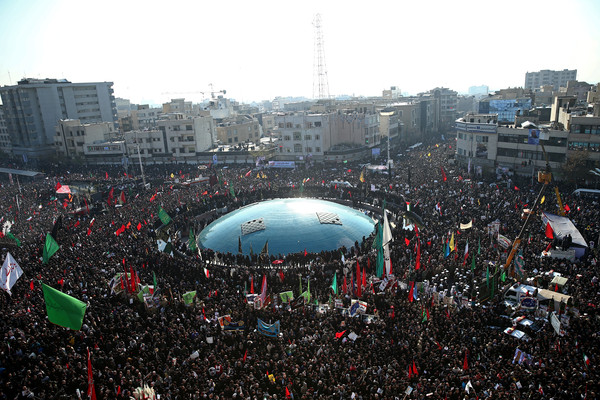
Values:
[(426, 348)]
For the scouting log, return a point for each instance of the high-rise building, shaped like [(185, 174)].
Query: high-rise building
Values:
[(535, 80), (33, 107), (5, 144)]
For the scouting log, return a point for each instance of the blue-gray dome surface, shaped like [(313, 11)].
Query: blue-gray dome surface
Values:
[(290, 226)]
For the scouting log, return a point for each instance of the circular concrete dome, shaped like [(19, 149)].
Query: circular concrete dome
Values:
[(290, 226)]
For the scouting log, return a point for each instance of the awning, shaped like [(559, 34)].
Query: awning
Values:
[(559, 280), (562, 226)]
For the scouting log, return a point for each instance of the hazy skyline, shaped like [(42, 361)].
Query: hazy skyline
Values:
[(155, 51)]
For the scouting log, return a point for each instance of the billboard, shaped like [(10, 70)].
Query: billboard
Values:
[(534, 136)]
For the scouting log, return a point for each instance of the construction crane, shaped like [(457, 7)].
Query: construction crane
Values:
[(212, 92), (544, 177)]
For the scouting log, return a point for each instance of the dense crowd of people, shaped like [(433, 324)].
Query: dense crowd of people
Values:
[(417, 346)]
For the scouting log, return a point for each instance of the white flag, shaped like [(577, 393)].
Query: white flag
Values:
[(10, 273), (387, 238), (468, 387)]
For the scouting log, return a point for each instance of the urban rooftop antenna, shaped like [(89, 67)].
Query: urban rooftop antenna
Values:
[(320, 82)]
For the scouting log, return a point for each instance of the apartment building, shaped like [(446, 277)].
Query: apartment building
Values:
[(33, 107)]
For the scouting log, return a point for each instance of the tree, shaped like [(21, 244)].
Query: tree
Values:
[(576, 167)]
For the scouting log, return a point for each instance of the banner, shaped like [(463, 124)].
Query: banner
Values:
[(268, 330), (223, 319), (466, 226), (229, 325)]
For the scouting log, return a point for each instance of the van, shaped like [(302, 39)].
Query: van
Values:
[(516, 293)]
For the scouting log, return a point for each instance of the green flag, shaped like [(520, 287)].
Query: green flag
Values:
[(154, 281), (164, 217), (50, 247), (479, 246), (334, 284), (11, 236), (144, 290), (308, 285), (231, 190), (306, 296), (62, 309), (192, 241), (473, 263), (286, 296), (301, 187), (380, 261), (503, 276), (424, 316), (300, 285), (188, 297)]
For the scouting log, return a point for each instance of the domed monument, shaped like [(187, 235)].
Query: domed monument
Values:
[(289, 226)]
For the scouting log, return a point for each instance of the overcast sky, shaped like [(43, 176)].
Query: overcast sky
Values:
[(257, 50)]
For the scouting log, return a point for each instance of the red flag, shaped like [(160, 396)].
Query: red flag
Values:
[(122, 197), (344, 286), (364, 276), (252, 285), (407, 242), (410, 374), (111, 196), (567, 208), (89, 232), (358, 280), (415, 369), (549, 246), (139, 226), (465, 363), (248, 173), (106, 175), (438, 345), (305, 253), (31, 285), (245, 355), (76, 224), (281, 275), (443, 175), (91, 392), (411, 292), (339, 334), (153, 197), (549, 231), (418, 261), (287, 393), (58, 186), (132, 280)]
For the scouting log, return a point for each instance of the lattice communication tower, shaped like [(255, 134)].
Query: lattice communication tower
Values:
[(320, 81)]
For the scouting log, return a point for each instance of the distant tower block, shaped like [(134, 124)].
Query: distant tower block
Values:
[(320, 82)]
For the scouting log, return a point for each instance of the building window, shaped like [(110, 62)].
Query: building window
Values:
[(317, 124), (318, 149), (188, 127), (289, 125), (297, 148), (309, 149), (307, 137), (317, 137), (229, 140), (297, 136), (235, 139)]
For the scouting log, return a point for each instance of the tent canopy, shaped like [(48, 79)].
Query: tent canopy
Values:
[(64, 189), (562, 226)]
